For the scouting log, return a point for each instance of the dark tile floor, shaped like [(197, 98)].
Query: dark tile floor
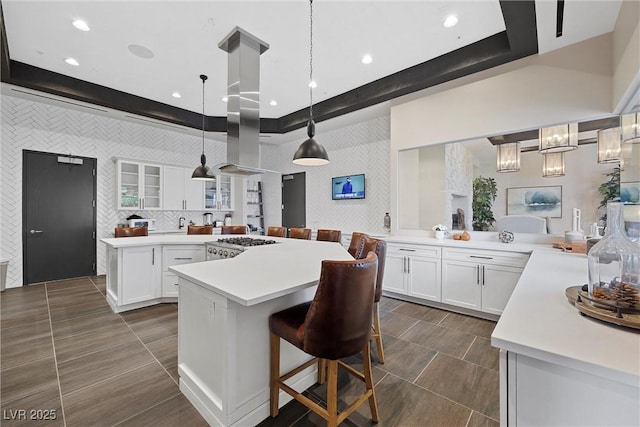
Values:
[(65, 355)]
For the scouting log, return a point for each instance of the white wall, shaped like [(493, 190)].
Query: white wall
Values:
[(29, 125)]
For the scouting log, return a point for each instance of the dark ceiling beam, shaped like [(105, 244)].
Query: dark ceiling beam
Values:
[(517, 41), (5, 69)]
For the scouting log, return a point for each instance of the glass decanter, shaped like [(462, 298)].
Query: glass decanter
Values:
[(614, 264)]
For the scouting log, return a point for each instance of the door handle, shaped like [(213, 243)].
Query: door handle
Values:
[(408, 265), (477, 274), (36, 231), (182, 258), (483, 275)]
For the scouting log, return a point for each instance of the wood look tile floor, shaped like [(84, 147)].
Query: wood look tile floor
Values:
[(65, 354)]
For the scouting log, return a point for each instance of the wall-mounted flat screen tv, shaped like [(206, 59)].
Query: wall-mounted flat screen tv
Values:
[(347, 187)]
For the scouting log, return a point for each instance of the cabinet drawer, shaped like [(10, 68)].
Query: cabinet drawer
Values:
[(177, 255), (415, 250), (515, 259)]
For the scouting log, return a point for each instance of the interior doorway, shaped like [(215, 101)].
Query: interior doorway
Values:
[(294, 213), (58, 216)]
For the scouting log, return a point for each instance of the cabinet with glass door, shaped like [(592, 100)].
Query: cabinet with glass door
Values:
[(218, 194), (139, 186)]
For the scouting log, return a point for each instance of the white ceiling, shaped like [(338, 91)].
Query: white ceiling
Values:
[(184, 36)]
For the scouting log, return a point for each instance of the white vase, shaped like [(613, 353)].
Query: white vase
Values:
[(439, 234)]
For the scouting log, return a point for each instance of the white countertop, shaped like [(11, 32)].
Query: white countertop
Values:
[(539, 322), (159, 239), (262, 273), (470, 244)]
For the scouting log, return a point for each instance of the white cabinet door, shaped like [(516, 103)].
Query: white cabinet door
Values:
[(173, 188), (180, 191), (218, 194), (141, 267), (176, 255), (395, 273), (424, 278), (139, 186), (498, 282), (461, 284)]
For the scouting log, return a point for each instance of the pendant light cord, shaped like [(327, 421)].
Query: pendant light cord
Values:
[(310, 59), (204, 78)]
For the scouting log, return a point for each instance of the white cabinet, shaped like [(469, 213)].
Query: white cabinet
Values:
[(133, 277), (180, 192), (138, 186), (413, 270), (218, 194), (480, 279), (176, 255)]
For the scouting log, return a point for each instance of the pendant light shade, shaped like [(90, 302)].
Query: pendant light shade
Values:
[(630, 124), (553, 165), (556, 139), (508, 157), (310, 152), (609, 145), (203, 172)]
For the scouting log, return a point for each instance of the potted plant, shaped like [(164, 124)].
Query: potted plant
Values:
[(610, 191), (439, 230), (484, 193)]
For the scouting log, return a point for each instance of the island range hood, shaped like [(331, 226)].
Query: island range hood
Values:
[(243, 105)]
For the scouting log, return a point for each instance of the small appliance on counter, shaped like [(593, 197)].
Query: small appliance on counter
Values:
[(143, 222), (227, 219), (576, 234), (207, 218)]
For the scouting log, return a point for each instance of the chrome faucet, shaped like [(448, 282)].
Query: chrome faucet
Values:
[(181, 221)]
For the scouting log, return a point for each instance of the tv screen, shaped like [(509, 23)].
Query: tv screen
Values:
[(347, 187)]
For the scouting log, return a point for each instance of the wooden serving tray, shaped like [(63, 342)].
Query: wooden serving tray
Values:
[(588, 308), (575, 247)]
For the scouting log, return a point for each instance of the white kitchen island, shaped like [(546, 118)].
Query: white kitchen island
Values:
[(223, 333), (557, 367)]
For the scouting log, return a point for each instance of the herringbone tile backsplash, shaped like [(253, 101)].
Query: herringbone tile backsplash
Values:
[(30, 125)]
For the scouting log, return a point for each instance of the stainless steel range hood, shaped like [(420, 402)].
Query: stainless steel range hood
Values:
[(243, 105)]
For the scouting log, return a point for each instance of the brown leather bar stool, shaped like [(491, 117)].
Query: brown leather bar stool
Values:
[(277, 231), (200, 229), (379, 247), (300, 233), (329, 235), (234, 229), (336, 324), (130, 231), (356, 237)]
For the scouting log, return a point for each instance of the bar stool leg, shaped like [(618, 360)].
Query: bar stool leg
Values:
[(377, 333), (332, 393), (274, 372), (368, 380), (322, 370)]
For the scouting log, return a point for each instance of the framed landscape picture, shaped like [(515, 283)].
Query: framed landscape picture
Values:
[(538, 201), (630, 193)]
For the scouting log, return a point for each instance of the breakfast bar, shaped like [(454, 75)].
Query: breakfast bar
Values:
[(223, 344)]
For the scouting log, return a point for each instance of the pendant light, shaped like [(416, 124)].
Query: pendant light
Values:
[(310, 152), (609, 145), (508, 157), (203, 172), (553, 165), (556, 139), (630, 124)]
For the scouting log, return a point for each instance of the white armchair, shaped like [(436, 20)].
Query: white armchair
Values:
[(522, 224)]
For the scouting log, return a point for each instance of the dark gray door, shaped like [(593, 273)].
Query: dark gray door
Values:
[(58, 216), (293, 200)]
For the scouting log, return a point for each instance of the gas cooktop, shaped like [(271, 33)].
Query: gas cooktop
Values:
[(245, 241)]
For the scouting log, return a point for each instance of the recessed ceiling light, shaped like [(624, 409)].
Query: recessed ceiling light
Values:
[(313, 84), (81, 25), (176, 95), (273, 102), (71, 61), (367, 59), (140, 51), (450, 21), (225, 99)]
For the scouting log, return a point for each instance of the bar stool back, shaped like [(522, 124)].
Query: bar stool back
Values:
[(336, 324), (329, 235), (130, 231), (300, 233), (200, 229), (234, 229), (379, 247), (277, 231), (356, 237)]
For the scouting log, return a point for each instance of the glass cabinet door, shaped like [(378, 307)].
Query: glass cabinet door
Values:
[(152, 189), (129, 186), (211, 195), (225, 193)]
